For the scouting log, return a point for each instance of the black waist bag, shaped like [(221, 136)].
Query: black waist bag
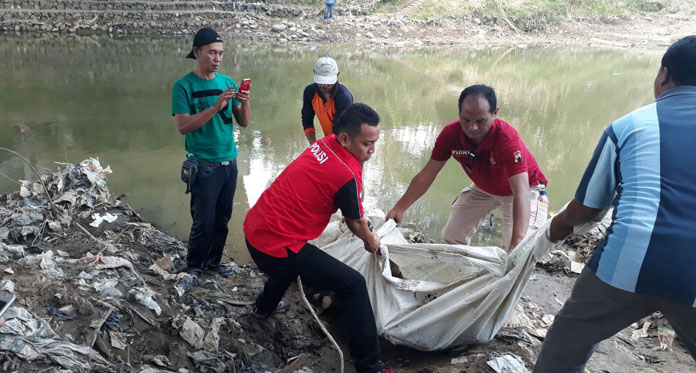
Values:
[(189, 170)]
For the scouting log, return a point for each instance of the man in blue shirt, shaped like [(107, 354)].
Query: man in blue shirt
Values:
[(643, 167)]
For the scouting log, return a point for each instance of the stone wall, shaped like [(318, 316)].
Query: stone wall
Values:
[(164, 17)]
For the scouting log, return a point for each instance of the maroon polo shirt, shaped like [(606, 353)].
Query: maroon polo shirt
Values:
[(490, 165), (299, 203)]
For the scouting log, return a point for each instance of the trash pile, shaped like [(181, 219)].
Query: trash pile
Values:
[(577, 249), (98, 290)]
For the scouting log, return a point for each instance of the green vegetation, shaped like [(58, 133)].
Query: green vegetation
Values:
[(389, 6), (520, 9)]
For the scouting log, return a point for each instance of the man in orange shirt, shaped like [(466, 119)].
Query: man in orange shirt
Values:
[(325, 98)]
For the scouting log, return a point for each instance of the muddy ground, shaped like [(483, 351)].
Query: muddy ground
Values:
[(92, 299)]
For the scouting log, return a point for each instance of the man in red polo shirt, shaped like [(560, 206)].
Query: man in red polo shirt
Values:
[(503, 171), (297, 207)]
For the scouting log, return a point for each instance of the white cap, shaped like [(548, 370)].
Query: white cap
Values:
[(325, 71)]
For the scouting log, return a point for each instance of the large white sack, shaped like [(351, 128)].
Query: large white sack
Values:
[(452, 295)]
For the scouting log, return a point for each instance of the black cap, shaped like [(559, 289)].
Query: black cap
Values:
[(204, 36)]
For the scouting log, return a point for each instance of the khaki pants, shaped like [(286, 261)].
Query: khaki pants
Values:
[(473, 205)]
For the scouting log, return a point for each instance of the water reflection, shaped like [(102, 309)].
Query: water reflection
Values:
[(65, 99)]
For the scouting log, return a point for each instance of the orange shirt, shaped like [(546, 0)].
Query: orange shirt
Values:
[(325, 112), (313, 104)]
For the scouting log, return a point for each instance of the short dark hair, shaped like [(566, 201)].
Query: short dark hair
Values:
[(680, 61), (479, 90), (353, 117)]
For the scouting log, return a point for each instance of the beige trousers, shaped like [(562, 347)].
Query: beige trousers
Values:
[(473, 205)]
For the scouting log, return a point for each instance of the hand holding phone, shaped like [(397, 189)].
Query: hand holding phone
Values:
[(224, 97), (246, 84)]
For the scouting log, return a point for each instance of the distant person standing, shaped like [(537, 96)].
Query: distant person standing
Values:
[(203, 103), (326, 98), (328, 10)]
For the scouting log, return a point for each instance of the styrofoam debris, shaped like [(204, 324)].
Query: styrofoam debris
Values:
[(576, 267)]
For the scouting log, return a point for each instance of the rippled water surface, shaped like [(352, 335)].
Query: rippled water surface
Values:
[(65, 99)]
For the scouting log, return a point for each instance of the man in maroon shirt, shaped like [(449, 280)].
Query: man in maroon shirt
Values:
[(297, 207), (503, 171)]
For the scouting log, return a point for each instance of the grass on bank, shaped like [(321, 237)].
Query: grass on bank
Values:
[(516, 9)]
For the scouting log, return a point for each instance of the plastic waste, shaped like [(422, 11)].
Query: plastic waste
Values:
[(113, 321), (32, 338), (508, 364), (99, 219), (144, 296)]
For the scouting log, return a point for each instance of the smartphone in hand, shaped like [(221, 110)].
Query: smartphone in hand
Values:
[(246, 84), (6, 300)]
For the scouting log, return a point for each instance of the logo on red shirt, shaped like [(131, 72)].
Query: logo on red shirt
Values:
[(517, 156), (462, 153)]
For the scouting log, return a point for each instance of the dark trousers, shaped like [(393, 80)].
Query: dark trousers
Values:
[(594, 312), (211, 209), (321, 271)]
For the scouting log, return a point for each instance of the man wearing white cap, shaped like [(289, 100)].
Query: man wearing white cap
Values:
[(325, 98)]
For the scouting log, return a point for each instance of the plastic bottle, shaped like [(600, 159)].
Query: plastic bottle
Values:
[(542, 208)]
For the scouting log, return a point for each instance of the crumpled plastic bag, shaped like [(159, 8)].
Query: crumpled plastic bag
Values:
[(194, 334), (16, 250), (47, 262), (114, 262), (184, 282), (107, 287), (191, 332), (32, 338), (99, 219), (207, 361), (144, 296), (508, 364)]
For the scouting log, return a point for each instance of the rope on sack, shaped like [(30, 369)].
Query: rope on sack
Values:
[(321, 325)]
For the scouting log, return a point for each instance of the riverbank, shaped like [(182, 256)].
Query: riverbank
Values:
[(411, 23), (98, 290)]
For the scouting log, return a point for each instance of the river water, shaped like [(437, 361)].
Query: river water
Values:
[(63, 99)]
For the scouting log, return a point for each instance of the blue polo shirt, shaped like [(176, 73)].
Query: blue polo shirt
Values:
[(644, 167)]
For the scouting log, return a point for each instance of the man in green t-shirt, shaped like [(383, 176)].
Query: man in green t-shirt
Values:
[(203, 103)]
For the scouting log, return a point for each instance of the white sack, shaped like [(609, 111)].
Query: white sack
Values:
[(453, 294)]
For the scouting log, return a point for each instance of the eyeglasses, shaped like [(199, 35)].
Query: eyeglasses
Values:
[(470, 162)]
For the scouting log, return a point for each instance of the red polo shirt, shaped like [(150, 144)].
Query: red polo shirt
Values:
[(499, 156), (299, 203)]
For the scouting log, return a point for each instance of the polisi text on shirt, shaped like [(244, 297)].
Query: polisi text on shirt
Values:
[(319, 154)]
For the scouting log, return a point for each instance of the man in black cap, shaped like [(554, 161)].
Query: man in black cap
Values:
[(203, 103)]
